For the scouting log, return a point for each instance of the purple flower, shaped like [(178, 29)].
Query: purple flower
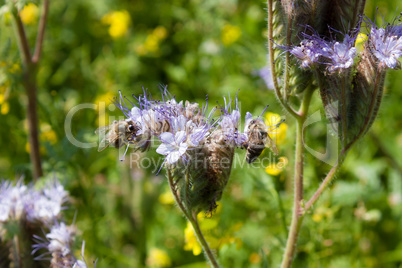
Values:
[(173, 146), (308, 52), (61, 238), (387, 45), (46, 205), (13, 200), (58, 242), (317, 50), (341, 55)]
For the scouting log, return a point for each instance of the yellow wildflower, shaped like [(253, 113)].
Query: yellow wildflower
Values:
[(361, 38), (254, 258), (48, 134), (140, 50), (160, 32), (29, 14), (230, 34), (101, 102), (158, 258), (2, 98), (166, 198), (191, 242), (278, 134), (15, 68), (151, 43), (119, 22), (5, 108), (276, 168)]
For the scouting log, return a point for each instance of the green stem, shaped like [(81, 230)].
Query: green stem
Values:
[(272, 63), (327, 181), (297, 215), (194, 222), (191, 217), (343, 107)]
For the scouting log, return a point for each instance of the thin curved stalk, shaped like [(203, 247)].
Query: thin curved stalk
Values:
[(297, 215), (327, 181), (192, 218), (211, 257), (272, 64)]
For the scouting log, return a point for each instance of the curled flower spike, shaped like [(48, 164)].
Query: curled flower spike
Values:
[(340, 55), (308, 52), (198, 148), (387, 45), (24, 202), (314, 50), (58, 243)]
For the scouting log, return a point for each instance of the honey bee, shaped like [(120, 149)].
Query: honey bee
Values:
[(257, 139), (118, 134)]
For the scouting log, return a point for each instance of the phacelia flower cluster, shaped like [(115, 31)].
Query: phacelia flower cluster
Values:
[(198, 144), (314, 50), (20, 201), (58, 246), (180, 127), (384, 43)]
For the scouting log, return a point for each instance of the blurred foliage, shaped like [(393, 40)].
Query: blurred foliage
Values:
[(94, 48)]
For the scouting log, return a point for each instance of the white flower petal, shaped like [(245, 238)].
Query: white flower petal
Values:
[(167, 137), (180, 137)]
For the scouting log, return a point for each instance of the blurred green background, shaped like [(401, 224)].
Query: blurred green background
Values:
[(94, 48)]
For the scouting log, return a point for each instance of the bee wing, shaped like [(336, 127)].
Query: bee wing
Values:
[(271, 145), (106, 141), (106, 137), (102, 130)]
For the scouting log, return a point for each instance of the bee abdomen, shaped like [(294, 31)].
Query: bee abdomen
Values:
[(253, 152)]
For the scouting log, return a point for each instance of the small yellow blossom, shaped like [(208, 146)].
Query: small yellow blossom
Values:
[(230, 34), (2, 98), (361, 38), (27, 147), (48, 134), (151, 43), (29, 14), (254, 258), (101, 102), (119, 22), (276, 168), (166, 198), (317, 217), (160, 32), (158, 258), (278, 134), (15, 68), (5, 108), (140, 50), (191, 242)]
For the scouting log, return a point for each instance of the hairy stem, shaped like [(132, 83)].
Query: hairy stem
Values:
[(297, 215), (272, 63), (192, 218), (327, 181), (194, 222)]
